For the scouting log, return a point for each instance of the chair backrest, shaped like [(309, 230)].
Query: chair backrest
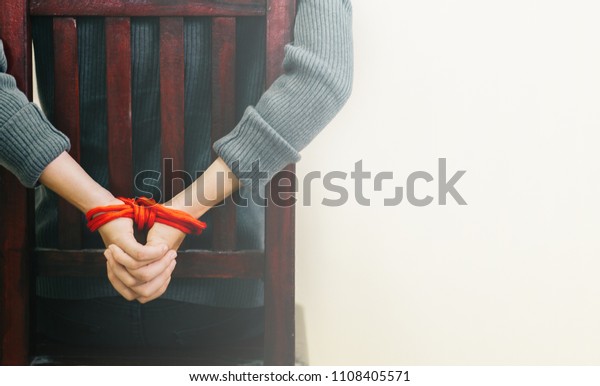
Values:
[(275, 264)]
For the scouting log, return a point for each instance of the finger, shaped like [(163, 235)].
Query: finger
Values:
[(149, 272), (119, 286), (158, 293), (124, 259), (122, 274), (150, 288), (164, 234), (137, 251)]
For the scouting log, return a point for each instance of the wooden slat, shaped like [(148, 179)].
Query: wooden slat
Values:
[(118, 79), (172, 74), (148, 7), (223, 118), (190, 264), (14, 243), (279, 233), (280, 22), (66, 112), (280, 282), (14, 271), (15, 35)]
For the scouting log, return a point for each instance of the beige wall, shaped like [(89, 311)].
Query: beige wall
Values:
[(509, 91)]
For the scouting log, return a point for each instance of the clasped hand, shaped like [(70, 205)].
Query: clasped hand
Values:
[(140, 272)]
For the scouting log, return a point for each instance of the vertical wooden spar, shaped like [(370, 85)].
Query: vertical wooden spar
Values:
[(66, 111), (223, 117), (118, 86), (280, 230), (172, 78), (14, 219)]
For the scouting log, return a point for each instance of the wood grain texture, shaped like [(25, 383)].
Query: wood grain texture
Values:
[(172, 78), (148, 7), (280, 31), (118, 86), (190, 264), (280, 228), (14, 210), (66, 112), (223, 118)]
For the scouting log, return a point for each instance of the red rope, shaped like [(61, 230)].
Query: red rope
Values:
[(144, 212)]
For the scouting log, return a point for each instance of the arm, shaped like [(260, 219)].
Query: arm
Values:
[(28, 142), (315, 85), (153, 263), (33, 150), (215, 184)]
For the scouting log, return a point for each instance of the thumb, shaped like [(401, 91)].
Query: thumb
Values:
[(140, 252), (165, 234)]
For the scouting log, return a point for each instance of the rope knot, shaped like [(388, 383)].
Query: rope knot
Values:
[(144, 212)]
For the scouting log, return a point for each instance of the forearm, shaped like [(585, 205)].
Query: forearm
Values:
[(66, 178), (151, 266), (28, 142), (316, 83), (213, 186)]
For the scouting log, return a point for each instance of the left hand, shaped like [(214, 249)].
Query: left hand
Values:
[(141, 280), (150, 281)]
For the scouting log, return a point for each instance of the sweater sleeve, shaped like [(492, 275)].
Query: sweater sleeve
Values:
[(28, 142), (316, 83)]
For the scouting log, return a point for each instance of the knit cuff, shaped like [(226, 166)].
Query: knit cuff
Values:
[(30, 143), (254, 151)]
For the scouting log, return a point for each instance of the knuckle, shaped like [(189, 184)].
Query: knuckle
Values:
[(144, 276), (130, 281), (145, 292), (113, 259), (133, 266)]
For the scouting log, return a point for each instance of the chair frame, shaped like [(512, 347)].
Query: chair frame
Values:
[(275, 264)]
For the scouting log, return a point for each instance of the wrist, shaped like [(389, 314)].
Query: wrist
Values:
[(211, 188), (65, 177), (196, 209), (99, 199)]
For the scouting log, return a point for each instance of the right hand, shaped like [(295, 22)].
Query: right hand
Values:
[(136, 271)]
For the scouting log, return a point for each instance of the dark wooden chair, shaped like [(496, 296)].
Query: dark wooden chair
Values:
[(18, 254)]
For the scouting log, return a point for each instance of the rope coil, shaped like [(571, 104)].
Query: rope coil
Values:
[(144, 212)]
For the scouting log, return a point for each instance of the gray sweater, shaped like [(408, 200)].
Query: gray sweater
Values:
[(315, 85)]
